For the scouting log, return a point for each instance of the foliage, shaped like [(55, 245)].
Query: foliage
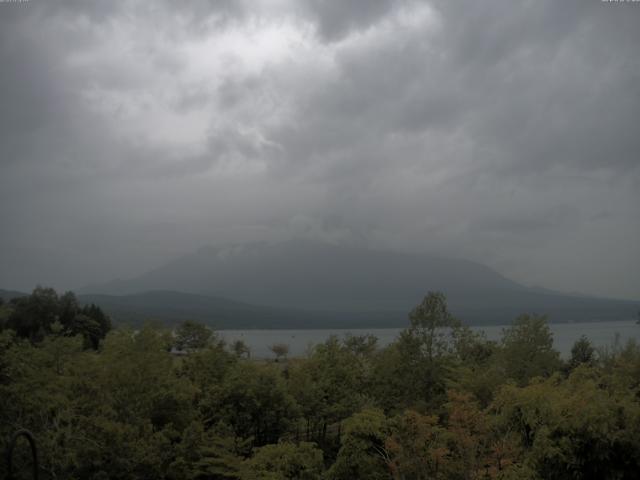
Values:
[(241, 349), (361, 345), (414, 371), (431, 323), (280, 350), (362, 452), (417, 447), (285, 460), (33, 317), (253, 400), (191, 336), (573, 428), (328, 387), (206, 453), (527, 349), (582, 352), (441, 402)]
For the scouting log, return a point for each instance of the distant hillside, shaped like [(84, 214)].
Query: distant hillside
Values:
[(7, 295), (171, 307), (314, 276), (355, 285)]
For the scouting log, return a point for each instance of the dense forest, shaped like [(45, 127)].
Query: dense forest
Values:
[(441, 402)]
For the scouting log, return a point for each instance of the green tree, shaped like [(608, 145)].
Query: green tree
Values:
[(280, 350), (241, 349), (414, 370), (206, 454), (468, 439), (253, 400), (361, 345), (36, 388), (284, 460), (478, 370), (363, 453), (68, 309), (207, 368), (328, 387), (33, 315), (417, 447), (431, 322), (5, 312), (98, 315), (582, 352), (191, 336), (401, 377), (60, 349), (472, 348), (573, 428), (88, 328), (527, 349), (141, 383)]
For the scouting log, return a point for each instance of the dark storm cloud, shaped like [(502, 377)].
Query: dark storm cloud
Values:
[(506, 133), (559, 81), (335, 20)]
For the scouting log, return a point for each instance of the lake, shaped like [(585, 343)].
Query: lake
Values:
[(601, 334)]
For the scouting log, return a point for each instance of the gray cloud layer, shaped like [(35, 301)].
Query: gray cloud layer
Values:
[(502, 132)]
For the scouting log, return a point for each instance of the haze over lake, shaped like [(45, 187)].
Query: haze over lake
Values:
[(601, 334)]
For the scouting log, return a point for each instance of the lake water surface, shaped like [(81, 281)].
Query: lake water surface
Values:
[(601, 334)]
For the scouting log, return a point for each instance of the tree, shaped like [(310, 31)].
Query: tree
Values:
[(417, 447), (284, 461), (207, 368), (140, 383), (467, 427), (253, 400), (469, 410), (362, 451), (241, 349), (97, 314), (582, 352), (328, 387), (527, 349), (68, 309), (206, 454), (431, 322), (479, 371), (191, 336), (62, 349), (413, 371), (472, 348), (5, 312), (89, 329), (361, 345), (400, 376), (572, 428), (33, 315), (280, 350)]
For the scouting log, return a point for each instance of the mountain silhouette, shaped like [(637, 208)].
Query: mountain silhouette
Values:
[(349, 282)]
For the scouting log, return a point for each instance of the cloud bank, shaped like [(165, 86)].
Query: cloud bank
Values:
[(506, 133)]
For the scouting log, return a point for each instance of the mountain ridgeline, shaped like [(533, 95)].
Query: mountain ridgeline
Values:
[(301, 284)]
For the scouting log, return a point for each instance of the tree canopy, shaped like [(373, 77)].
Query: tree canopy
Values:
[(441, 402)]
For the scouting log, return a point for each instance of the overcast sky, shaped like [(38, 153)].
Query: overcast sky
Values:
[(504, 132)]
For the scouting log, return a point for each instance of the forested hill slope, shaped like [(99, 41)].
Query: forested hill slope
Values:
[(358, 283), (170, 307), (7, 295)]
